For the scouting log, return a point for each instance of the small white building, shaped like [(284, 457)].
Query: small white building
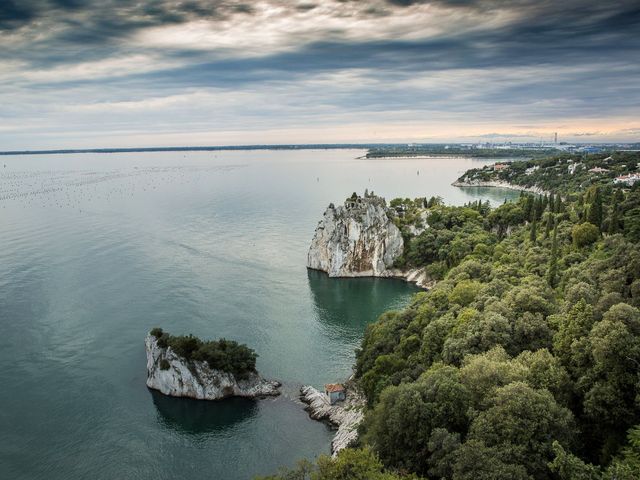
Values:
[(335, 392), (628, 179)]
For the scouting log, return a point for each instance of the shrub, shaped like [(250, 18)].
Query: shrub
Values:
[(156, 332), (465, 292), (584, 234)]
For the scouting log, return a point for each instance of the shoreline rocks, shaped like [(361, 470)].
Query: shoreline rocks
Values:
[(177, 377), (418, 276), (346, 415), (358, 239)]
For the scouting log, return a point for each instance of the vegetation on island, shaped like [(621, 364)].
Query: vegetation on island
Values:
[(225, 355), (523, 362)]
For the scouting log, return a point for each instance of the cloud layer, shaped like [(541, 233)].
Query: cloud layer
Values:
[(156, 72)]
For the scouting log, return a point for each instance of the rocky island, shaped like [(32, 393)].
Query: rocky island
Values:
[(185, 366), (357, 239), (361, 239)]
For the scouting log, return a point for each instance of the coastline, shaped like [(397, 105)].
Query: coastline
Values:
[(345, 415), (436, 155), (500, 184), (417, 276)]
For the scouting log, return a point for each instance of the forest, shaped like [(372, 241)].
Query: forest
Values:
[(523, 361)]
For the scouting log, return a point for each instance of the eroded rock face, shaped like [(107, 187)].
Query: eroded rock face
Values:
[(195, 379), (356, 240), (345, 415)]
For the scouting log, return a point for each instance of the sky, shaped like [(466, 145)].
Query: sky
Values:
[(116, 73)]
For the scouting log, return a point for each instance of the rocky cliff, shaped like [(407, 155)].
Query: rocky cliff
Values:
[(345, 415), (357, 239), (172, 375)]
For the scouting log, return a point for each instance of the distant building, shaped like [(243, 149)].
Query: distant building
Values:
[(598, 170), (628, 179), (500, 166), (335, 392), (590, 149), (530, 170), (573, 167)]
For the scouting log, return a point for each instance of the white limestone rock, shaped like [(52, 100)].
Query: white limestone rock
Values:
[(358, 239), (346, 415), (195, 379)]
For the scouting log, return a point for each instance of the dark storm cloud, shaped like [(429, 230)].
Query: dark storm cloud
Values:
[(578, 31), (13, 14)]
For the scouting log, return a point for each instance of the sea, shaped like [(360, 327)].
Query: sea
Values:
[(97, 249)]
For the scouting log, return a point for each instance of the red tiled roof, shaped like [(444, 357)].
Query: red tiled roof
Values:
[(333, 387)]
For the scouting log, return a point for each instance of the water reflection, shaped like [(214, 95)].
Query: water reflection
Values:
[(198, 417), (346, 305)]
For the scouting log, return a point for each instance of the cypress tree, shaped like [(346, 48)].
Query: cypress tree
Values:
[(614, 218), (528, 206), (537, 208), (533, 233), (552, 273), (595, 209), (547, 228)]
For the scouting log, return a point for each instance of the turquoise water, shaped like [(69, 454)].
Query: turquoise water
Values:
[(97, 249)]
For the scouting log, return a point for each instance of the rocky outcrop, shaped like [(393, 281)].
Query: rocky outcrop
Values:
[(358, 239), (346, 415), (175, 376), (466, 182)]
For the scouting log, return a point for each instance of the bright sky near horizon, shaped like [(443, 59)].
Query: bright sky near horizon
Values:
[(116, 73)]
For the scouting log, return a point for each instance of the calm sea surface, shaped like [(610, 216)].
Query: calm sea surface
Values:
[(97, 249)]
